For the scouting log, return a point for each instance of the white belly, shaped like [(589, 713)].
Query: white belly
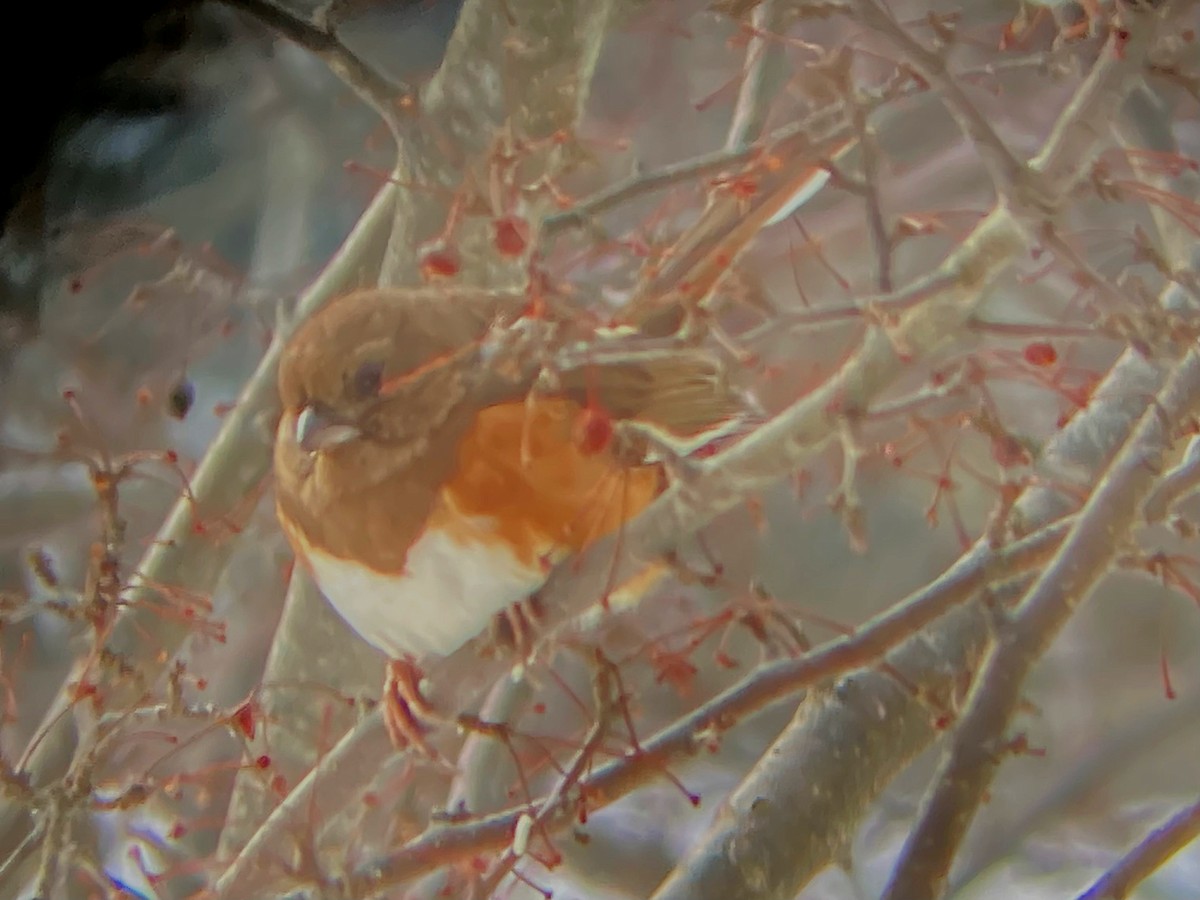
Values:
[(451, 589)]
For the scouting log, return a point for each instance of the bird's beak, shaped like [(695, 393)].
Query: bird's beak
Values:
[(317, 429)]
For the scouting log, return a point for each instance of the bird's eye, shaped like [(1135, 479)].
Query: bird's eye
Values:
[(367, 380)]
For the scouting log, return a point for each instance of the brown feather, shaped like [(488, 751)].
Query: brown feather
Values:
[(682, 391)]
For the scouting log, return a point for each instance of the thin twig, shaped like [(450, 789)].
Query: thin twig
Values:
[(1083, 559), (761, 74), (181, 555), (374, 90), (784, 142), (554, 802), (15, 860), (1098, 766), (1148, 856), (1002, 165), (767, 685), (1180, 481), (881, 239), (1109, 512), (1117, 300), (641, 183)]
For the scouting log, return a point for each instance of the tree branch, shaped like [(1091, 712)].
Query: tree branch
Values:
[(181, 554), (1084, 558), (1148, 856)]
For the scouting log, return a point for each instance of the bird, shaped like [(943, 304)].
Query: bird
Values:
[(428, 482)]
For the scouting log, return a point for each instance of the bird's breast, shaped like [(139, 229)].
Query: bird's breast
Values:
[(454, 582), (520, 497)]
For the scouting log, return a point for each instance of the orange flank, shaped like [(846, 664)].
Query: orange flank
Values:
[(521, 467), (523, 496)]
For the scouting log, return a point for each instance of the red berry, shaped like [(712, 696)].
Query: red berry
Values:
[(442, 263), (1041, 354), (243, 720), (593, 432), (511, 234)]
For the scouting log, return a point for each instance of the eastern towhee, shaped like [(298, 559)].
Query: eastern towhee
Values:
[(427, 484)]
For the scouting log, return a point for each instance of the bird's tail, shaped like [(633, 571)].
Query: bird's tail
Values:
[(683, 394)]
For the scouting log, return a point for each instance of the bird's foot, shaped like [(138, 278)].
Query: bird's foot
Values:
[(1016, 33), (514, 630), (404, 707)]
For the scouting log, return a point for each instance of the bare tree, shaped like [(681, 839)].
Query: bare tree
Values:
[(917, 630)]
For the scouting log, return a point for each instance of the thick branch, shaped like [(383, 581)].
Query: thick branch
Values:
[(769, 684), (522, 65), (978, 746), (859, 776), (1148, 856)]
